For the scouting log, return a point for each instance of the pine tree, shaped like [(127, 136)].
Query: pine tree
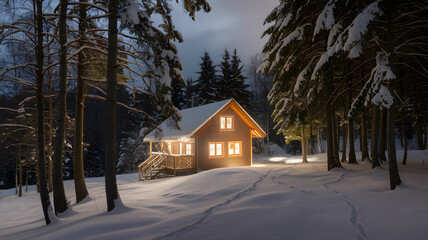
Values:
[(207, 86), (241, 92), (232, 80), (178, 98), (189, 92), (225, 78)]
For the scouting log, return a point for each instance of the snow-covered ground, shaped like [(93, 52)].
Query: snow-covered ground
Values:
[(278, 198)]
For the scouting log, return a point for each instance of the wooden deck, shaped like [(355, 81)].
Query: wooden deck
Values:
[(174, 164)]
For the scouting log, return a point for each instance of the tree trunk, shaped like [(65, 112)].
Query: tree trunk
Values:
[(401, 139), (305, 160), (394, 175), (60, 200), (382, 135), (37, 176), (20, 171), (419, 137), (26, 178), (335, 136), (332, 162), (426, 135), (338, 135), (344, 137), (44, 193), (112, 193), (364, 141), (79, 173), (312, 147), (375, 137), (49, 155), (267, 132), (16, 173), (352, 157), (361, 140), (404, 134), (319, 140)]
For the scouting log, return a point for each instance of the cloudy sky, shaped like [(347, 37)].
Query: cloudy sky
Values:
[(230, 24)]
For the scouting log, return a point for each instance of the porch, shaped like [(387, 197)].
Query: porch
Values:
[(162, 163)]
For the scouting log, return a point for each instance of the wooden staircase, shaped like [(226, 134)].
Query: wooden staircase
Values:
[(153, 167)]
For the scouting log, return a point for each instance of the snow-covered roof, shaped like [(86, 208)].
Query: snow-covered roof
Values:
[(192, 120)]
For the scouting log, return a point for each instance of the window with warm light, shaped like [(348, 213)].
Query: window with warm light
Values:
[(188, 148), (235, 148), (181, 148), (216, 149), (169, 148), (226, 123)]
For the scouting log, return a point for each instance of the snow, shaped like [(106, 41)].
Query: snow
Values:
[(301, 78), (282, 23), (192, 118), (297, 34), (326, 19), (132, 12), (381, 75), (383, 98), (275, 199), (333, 33), (359, 26), (350, 39)]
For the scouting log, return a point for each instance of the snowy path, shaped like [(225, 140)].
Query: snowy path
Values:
[(274, 201), (207, 213)]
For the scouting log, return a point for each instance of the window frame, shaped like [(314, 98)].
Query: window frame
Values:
[(188, 149), (225, 123), (234, 148), (215, 150)]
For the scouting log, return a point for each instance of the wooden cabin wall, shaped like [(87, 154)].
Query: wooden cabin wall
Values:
[(212, 133)]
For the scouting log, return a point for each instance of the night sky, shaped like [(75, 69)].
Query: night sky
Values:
[(231, 23)]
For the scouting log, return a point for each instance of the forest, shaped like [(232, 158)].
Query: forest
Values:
[(83, 81)]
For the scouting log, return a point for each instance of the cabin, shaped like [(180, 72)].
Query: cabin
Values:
[(211, 136)]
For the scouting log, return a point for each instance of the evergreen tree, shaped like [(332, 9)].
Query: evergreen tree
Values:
[(189, 92), (225, 78), (240, 88), (178, 98), (232, 80), (207, 86)]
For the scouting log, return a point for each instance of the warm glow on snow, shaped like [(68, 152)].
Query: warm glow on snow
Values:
[(258, 165)]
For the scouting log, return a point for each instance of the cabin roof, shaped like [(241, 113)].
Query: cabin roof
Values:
[(195, 119)]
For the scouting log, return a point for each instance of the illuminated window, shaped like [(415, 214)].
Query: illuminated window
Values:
[(169, 148), (216, 149), (181, 148), (226, 123), (235, 149), (188, 148)]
